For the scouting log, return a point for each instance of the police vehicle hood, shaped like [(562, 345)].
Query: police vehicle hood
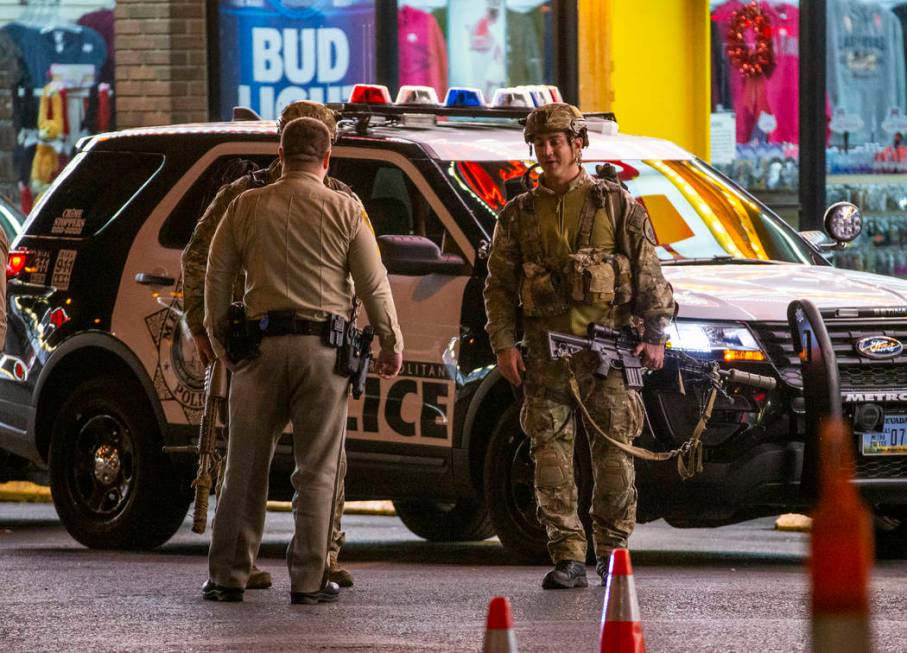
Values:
[(763, 292)]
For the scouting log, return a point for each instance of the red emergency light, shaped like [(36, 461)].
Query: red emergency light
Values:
[(370, 94), (16, 262)]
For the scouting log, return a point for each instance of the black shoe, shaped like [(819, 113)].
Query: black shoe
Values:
[(327, 594), (211, 591), (566, 574), (602, 564)]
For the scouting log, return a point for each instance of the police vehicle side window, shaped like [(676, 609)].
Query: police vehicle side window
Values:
[(181, 222), (93, 189), (393, 203)]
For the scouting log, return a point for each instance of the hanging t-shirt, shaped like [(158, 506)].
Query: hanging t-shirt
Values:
[(40, 48), (101, 21), (525, 62), (866, 75), (422, 50)]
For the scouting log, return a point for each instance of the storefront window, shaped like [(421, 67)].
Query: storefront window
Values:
[(57, 60), (866, 157), (274, 52), (485, 44), (755, 97)]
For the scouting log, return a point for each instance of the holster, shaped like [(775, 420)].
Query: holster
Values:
[(242, 341), (354, 351)]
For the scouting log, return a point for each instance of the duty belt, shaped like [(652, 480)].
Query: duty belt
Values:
[(282, 323)]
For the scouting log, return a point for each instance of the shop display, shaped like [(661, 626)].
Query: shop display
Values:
[(62, 88), (483, 44)]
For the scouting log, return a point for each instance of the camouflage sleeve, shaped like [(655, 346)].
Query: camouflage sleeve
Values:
[(337, 185), (653, 298), (194, 259), (502, 283)]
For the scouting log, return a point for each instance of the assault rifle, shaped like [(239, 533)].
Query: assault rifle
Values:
[(209, 460), (614, 350)]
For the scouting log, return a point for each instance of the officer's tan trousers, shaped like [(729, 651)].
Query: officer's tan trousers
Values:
[(293, 380)]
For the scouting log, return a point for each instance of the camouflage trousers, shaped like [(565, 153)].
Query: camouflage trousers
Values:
[(548, 417)]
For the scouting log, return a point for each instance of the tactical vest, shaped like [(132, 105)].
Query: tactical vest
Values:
[(590, 275)]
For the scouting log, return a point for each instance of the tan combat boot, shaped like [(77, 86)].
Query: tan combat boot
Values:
[(338, 574), (259, 579)]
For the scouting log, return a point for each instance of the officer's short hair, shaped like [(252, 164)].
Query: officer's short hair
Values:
[(305, 140)]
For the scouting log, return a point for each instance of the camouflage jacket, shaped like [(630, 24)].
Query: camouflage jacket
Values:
[(652, 298), (194, 259)]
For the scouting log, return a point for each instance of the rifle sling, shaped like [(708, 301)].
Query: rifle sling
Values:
[(689, 454)]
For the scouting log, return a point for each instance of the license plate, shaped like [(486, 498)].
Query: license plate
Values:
[(892, 441)]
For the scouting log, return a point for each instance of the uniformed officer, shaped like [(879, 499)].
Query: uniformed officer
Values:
[(573, 251), (194, 262), (302, 246)]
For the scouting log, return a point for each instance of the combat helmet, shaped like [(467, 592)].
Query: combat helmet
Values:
[(308, 109), (556, 117)]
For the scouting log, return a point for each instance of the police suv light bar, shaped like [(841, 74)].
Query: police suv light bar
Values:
[(461, 96), (370, 94), (417, 95), (511, 97)]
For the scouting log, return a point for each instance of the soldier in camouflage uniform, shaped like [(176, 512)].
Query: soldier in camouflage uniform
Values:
[(573, 251), (194, 263)]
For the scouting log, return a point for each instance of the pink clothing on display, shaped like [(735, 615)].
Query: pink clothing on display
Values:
[(779, 93), (423, 50)]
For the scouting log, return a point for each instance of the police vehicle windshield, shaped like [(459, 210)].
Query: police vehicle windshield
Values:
[(698, 216)]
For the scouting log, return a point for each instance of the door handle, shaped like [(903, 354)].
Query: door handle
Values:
[(154, 279)]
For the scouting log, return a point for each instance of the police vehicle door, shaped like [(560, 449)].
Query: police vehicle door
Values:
[(417, 407), (149, 310)]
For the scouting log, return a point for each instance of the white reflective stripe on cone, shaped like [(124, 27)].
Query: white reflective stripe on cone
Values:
[(500, 641), (620, 600)]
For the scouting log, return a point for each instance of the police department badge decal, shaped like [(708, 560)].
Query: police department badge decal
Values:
[(179, 375)]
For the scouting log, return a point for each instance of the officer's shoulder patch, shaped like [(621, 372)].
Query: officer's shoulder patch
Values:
[(648, 231)]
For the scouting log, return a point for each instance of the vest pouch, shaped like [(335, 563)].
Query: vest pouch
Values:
[(592, 276), (540, 292), (623, 280)]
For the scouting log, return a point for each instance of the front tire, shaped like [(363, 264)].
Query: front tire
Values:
[(463, 520), (510, 489), (111, 484)]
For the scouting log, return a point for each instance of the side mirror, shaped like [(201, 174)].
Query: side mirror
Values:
[(843, 222), (417, 255)]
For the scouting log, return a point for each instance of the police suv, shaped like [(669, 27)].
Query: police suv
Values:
[(99, 372)]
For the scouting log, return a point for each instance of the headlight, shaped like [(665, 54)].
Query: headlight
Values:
[(727, 342)]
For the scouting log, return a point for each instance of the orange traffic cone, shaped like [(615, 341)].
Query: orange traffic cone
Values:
[(842, 551), (499, 637), (621, 628)]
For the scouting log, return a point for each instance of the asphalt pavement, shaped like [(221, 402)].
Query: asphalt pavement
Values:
[(736, 588)]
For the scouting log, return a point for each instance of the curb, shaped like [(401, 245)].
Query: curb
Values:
[(380, 508), (28, 492), (24, 492), (794, 523)]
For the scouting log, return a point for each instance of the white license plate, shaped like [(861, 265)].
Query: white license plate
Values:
[(892, 441)]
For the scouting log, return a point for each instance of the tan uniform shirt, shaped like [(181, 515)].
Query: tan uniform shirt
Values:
[(298, 243)]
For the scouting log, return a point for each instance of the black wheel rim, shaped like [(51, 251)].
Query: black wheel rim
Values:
[(103, 467)]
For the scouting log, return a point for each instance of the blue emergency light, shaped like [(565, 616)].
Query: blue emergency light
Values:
[(460, 97)]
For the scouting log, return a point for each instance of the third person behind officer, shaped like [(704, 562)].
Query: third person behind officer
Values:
[(194, 262), (575, 250), (302, 246)]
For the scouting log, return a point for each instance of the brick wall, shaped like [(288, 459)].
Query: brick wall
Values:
[(162, 61)]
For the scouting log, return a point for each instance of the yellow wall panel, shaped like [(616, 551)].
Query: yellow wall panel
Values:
[(655, 75)]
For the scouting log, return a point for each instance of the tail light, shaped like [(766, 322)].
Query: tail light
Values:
[(15, 264)]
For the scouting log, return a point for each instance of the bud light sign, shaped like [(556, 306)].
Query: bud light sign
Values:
[(274, 52)]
